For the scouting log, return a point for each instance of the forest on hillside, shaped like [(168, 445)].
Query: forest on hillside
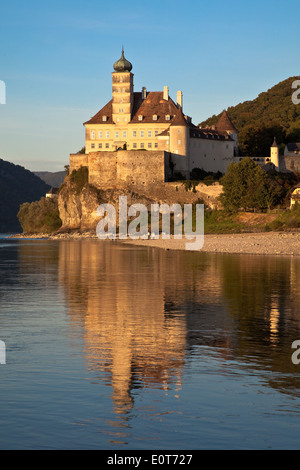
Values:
[(17, 185), (271, 114)]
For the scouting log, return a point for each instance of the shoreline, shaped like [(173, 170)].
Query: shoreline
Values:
[(264, 243)]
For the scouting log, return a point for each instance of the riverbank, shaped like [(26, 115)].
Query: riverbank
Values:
[(268, 243)]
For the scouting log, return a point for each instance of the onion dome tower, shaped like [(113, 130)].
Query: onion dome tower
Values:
[(122, 65), (122, 91)]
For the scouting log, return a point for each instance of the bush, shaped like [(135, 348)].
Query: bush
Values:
[(79, 178), (40, 216)]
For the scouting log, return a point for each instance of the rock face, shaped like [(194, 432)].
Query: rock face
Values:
[(78, 210), (78, 203)]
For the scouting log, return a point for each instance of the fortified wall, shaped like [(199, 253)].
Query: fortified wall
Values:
[(146, 173), (124, 167)]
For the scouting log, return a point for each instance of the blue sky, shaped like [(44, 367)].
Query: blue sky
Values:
[(56, 61)]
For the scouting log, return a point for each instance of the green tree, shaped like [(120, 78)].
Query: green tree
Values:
[(247, 186), (40, 216)]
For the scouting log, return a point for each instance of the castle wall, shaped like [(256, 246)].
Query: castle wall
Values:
[(210, 155), (290, 163), (110, 169), (77, 160)]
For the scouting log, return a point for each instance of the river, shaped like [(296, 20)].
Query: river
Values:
[(112, 346)]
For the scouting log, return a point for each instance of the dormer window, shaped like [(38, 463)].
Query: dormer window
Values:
[(104, 118), (167, 117), (140, 118), (154, 117)]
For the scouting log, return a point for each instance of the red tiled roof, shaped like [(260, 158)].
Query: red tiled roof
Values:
[(179, 119), (153, 104), (225, 124), (208, 133), (105, 111)]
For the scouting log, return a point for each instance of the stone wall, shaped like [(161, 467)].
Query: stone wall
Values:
[(290, 163), (125, 167), (78, 160)]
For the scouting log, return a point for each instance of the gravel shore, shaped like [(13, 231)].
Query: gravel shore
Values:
[(268, 243)]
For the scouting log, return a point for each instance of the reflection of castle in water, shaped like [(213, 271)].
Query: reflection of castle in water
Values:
[(132, 303), (144, 311)]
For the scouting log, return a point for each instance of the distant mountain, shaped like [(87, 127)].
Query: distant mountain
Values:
[(17, 185), (271, 114), (54, 179)]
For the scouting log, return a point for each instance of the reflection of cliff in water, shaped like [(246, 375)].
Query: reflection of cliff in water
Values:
[(144, 311), (119, 295)]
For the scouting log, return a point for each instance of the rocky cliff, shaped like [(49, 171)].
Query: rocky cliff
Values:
[(78, 200)]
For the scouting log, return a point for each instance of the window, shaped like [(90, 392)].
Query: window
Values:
[(100, 146), (104, 118), (100, 135), (121, 100), (123, 90), (121, 79), (155, 133), (117, 134), (118, 119), (142, 145), (107, 134), (178, 141), (156, 145), (149, 145), (142, 133), (119, 90), (149, 134), (133, 133), (134, 145), (154, 117), (140, 118), (121, 110), (125, 119), (107, 146), (92, 134), (124, 134), (167, 117), (92, 146)]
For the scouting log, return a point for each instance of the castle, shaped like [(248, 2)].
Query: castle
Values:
[(144, 137)]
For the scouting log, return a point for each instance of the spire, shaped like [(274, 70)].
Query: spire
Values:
[(274, 143), (122, 65), (179, 119), (225, 124)]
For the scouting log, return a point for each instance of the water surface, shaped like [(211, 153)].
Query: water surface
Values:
[(116, 347)]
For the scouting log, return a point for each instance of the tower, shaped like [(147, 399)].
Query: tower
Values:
[(225, 126), (275, 154), (122, 91)]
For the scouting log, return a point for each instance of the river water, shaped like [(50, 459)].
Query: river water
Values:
[(115, 347)]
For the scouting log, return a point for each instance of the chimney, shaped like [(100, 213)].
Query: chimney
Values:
[(166, 93), (179, 99), (144, 93)]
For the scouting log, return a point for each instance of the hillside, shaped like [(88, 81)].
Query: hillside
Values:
[(17, 185), (54, 179), (271, 114)]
